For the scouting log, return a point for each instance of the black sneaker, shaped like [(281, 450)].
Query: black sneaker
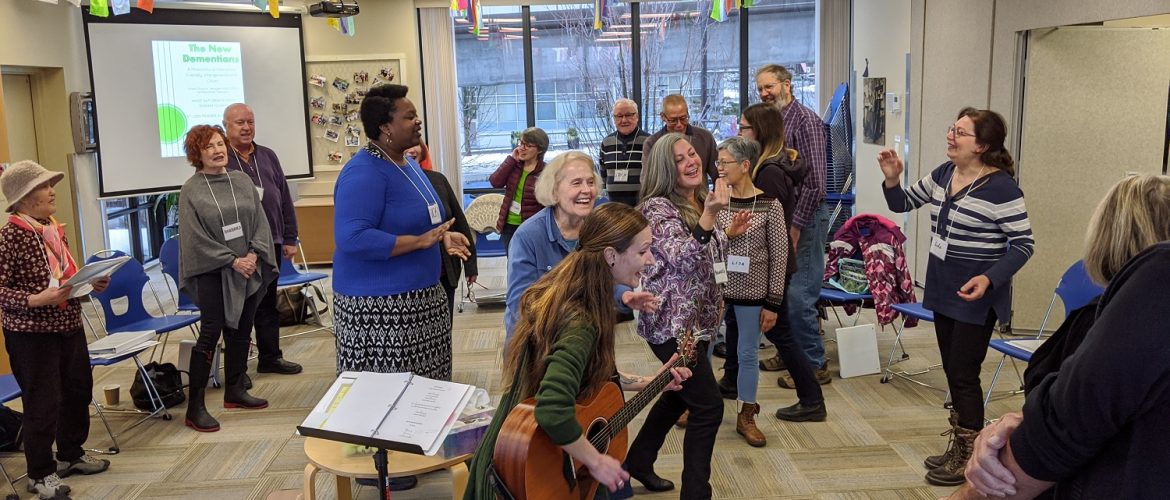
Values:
[(279, 366), (720, 350)]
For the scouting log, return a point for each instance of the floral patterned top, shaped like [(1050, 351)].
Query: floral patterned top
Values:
[(683, 275), (23, 272)]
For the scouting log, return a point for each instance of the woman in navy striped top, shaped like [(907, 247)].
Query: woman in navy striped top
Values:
[(980, 238)]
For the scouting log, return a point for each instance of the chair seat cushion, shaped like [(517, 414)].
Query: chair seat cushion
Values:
[(834, 295), (1003, 346), (299, 278)]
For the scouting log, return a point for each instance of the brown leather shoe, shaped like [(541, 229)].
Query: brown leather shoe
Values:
[(745, 424), (682, 420), (773, 364), (822, 374)]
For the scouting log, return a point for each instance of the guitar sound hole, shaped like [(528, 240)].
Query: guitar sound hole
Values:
[(595, 429)]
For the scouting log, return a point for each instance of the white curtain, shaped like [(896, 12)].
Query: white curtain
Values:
[(833, 40), (441, 101)]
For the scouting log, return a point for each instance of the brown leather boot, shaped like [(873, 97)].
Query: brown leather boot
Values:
[(936, 461), (682, 420), (745, 424), (951, 472)]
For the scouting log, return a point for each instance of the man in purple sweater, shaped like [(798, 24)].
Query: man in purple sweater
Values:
[(262, 165)]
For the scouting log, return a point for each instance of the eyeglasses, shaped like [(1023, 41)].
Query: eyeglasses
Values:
[(682, 120), (958, 132), (726, 164), (626, 116), (527, 145), (470, 295), (745, 127)]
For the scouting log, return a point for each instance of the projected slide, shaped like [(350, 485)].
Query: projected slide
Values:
[(194, 82)]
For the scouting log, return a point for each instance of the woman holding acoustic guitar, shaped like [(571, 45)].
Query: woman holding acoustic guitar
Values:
[(561, 356)]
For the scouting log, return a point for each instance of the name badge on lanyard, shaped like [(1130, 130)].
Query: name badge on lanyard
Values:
[(938, 247), (260, 191), (514, 208), (621, 175), (738, 263), (233, 231), (433, 212), (720, 273)]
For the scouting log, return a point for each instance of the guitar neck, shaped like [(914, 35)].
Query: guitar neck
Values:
[(635, 405)]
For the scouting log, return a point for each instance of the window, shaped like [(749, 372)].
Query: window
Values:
[(137, 225), (578, 72)]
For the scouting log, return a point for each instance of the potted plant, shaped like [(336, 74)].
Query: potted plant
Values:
[(515, 139), (573, 138)]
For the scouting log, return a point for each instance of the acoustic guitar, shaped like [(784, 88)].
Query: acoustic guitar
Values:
[(532, 467)]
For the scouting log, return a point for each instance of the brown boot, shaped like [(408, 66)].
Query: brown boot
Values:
[(936, 461), (745, 424), (682, 420), (951, 472)]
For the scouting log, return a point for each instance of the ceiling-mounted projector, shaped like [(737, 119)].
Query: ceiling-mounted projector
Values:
[(333, 9)]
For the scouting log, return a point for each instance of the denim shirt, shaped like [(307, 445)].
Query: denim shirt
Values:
[(536, 248)]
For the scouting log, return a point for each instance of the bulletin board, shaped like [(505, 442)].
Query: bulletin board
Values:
[(336, 86)]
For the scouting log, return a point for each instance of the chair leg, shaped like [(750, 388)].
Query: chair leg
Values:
[(907, 375), (113, 450), (310, 486)]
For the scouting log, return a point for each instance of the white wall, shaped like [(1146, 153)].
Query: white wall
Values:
[(884, 39)]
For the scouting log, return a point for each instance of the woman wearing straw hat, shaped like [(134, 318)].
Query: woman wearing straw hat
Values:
[(43, 332)]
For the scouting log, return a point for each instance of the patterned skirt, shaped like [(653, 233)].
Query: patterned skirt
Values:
[(408, 332)]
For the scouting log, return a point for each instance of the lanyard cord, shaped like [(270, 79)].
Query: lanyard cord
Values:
[(433, 201), (216, 200), (951, 220), (256, 167)]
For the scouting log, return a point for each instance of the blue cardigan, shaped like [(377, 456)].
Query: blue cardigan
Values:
[(373, 204)]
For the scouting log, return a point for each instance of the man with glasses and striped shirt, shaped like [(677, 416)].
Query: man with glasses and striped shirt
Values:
[(621, 154)]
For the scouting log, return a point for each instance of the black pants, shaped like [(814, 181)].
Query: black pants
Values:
[(799, 367), (268, 327), (56, 387), (506, 236), (450, 289), (699, 395), (213, 324), (963, 347)]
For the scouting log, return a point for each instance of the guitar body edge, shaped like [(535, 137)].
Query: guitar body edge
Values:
[(531, 466)]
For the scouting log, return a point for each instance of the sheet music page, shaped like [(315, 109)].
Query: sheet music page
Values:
[(365, 403), (425, 413), (329, 402)]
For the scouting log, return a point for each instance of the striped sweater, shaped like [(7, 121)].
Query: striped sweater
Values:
[(620, 152), (987, 232)]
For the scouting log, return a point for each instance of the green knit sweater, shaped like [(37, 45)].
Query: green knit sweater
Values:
[(556, 397)]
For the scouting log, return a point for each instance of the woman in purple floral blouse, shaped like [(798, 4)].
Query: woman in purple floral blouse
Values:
[(687, 250)]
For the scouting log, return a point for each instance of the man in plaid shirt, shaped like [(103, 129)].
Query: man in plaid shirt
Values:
[(805, 132)]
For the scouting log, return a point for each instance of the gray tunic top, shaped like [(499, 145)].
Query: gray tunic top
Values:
[(203, 247)]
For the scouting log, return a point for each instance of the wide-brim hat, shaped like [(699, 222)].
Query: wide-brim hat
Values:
[(21, 178)]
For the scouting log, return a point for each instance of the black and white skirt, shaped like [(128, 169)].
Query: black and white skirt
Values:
[(408, 332)]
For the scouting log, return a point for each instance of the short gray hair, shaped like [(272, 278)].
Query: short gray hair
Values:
[(742, 149), (553, 173), (625, 101)]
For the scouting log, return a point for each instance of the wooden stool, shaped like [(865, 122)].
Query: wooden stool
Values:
[(327, 456)]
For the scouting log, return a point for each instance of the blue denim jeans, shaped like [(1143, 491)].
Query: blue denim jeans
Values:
[(747, 319), (804, 288)]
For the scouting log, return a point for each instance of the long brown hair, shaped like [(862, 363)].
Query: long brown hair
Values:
[(578, 290), (768, 124), (660, 178)]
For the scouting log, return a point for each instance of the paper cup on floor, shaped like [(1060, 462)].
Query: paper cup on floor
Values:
[(113, 394)]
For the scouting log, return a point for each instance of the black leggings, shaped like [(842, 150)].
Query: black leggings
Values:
[(963, 347), (213, 324)]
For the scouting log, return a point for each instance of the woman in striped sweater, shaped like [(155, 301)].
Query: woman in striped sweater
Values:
[(980, 238)]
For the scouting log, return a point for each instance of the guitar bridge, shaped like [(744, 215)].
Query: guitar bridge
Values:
[(569, 469)]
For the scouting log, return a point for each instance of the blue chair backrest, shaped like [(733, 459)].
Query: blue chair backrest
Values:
[(287, 269), (1076, 289), (168, 256), (128, 281)]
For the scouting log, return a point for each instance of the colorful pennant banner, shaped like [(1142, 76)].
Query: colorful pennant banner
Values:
[(99, 8), (345, 25)]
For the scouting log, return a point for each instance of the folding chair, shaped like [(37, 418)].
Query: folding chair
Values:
[(10, 390), (1075, 290), (832, 297), (290, 275), (911, 310), (481, 212), (168, 256)]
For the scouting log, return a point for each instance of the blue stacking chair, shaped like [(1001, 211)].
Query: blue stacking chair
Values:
[(1075, 290), (290, 275), (168, 256), (10, 390), (833, 297), (916, 311)]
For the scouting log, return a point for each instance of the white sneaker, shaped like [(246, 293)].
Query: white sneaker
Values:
[(85, 465), (49, 487)]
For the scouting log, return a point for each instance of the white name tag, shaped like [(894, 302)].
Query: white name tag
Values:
[(621, 175), (54, 282), (738, 263), (938, 247), (233, 231), (514, 208), (433, 211), (720, 273), (260, 191)]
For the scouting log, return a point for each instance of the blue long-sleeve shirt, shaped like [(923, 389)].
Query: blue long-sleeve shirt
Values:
[(374, 202), (536, 248)]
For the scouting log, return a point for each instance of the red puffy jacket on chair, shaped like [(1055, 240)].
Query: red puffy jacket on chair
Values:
[(880, 243)]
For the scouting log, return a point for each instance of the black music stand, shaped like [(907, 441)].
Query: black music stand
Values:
[(381, 460)]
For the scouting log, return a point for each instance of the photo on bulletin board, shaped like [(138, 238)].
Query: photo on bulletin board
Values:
[(873, 117), (336, 88)]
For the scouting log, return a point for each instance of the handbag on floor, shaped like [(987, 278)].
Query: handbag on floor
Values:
[(293, 304), (167, 379)]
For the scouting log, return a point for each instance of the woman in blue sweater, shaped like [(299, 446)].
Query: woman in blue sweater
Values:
[(980, 238), (390, 310)]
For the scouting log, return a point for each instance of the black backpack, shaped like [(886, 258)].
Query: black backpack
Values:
[(167, 379), (10, 422)]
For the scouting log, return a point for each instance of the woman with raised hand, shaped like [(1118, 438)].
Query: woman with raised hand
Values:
[(518, 174)]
